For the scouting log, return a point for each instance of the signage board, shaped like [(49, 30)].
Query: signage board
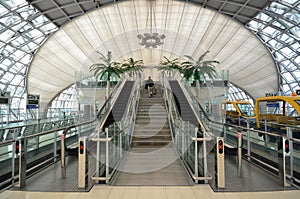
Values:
[(32, 101), (4, 100), (274, 104), (4, 97)]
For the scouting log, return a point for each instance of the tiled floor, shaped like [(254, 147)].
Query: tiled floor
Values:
[(145, 192)]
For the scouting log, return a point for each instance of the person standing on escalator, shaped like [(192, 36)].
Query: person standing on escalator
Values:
[(149, 84)]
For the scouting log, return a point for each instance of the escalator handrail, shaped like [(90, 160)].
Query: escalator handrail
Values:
[(238, 128), (179, 117), (112, 94), (66, 128), (203, 127)]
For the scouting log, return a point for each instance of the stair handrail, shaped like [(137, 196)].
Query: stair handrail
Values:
[(193, 103), (120, 130), (169, 100)]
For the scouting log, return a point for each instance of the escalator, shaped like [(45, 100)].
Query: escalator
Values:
[(43, 162), (183, 106), (252, 177), (120, 105)]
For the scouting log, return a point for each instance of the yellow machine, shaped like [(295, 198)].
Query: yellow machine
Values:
[(237, 112), (275, 113), (278, 109)]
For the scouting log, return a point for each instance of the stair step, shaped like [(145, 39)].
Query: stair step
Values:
[(153, 114), (145, 126), (149, 143), (154, 132), (152, 126), (161, 118), (154, 105), (152, 138)]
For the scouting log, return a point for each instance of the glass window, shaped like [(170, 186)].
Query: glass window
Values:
[(19, 40), (283, 45), (235, 93), (246, 109), (65, 103)]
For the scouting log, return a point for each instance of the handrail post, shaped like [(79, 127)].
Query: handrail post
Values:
[(224, 127), (106, 157), (205, 156), (248, 141), (289, 134), (98, 158), (22, 162), (183, 140), (63, 155), (265, 136), (196, 156), (55, 146), (239, 147), (281, 161)]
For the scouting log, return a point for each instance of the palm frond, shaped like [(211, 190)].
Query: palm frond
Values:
[(199, 68), (202, 56)]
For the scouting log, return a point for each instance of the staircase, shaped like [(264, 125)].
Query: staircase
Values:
[(152, 127), (152, 158)]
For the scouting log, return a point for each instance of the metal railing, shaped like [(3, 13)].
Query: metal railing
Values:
[(42, 141), (190, 141), (114, 141), (259, 146)]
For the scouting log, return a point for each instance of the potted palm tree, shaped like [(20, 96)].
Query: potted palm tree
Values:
[(133, 67), (198, 69), (167, 66), (106, 69)]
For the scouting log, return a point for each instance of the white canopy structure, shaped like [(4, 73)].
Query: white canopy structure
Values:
[(44, 43)]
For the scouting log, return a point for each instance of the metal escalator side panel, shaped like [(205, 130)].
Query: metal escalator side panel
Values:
[(120, 104), (182, 104)]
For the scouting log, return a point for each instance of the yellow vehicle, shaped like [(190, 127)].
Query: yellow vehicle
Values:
[(276, 112), (278, 109), (238, 112)]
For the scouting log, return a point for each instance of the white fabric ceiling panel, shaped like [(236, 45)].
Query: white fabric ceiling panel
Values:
[(189, 30), (128, 16), (47, 67), (255, 70), (261, 86), (213, 30), (140, 14), (230, 30), (57, 80), (35, 88), (76, 34), (88, 30), (63, 46), (112, 18), (98, 20), (231, 47), (202, 23)]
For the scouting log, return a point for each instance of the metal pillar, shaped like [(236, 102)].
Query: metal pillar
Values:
[(289, 134), (248, 142), (281, 161), (22, 162), (239, 147), (220, 167), (63, 155)]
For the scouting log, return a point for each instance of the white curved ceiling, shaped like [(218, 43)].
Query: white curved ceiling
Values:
[(189, 30)]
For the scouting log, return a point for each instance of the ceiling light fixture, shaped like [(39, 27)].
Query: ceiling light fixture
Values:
[(151, 40)]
